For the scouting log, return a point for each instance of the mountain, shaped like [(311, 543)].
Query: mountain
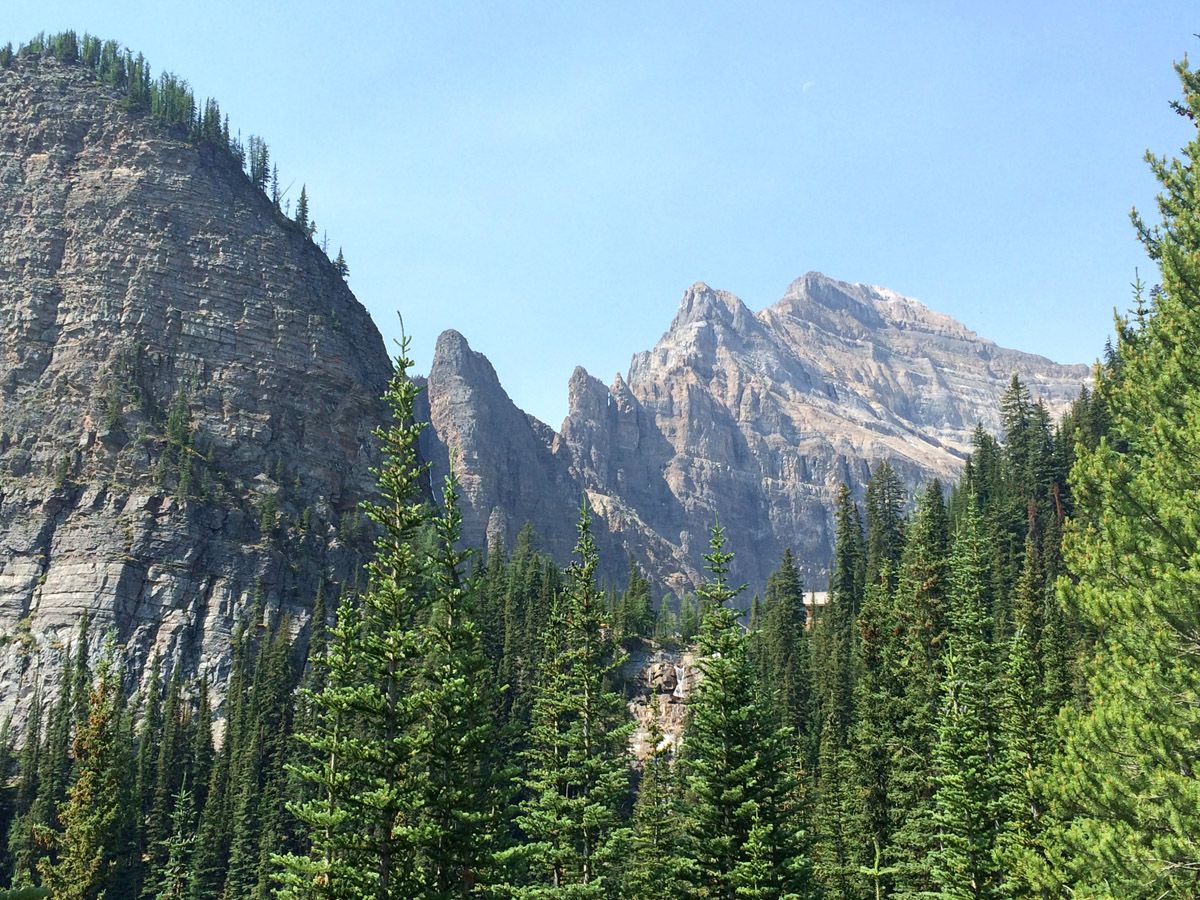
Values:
[(753, 418), (187, 388)]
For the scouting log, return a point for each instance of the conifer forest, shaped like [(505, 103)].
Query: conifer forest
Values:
[(999, 696)]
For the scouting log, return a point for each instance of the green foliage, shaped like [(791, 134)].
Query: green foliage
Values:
[(1123, 786), (90, 849), (577, 760), (742, 818), (965, 802), (653, 867)]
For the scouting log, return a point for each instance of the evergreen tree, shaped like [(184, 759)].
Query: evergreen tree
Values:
[(578, 772), (98, 799), (302, 211), (172, 881), (149, 740), (1026, 735), (1124, 783), (168, 774), (365, 827), (920, 622), (836, 819), (457, 753), (878, 691), (634, 616), (783, 647), (965, 802), (737, 765), (21, 842), (833, 636), (885, 524), (653, 865)]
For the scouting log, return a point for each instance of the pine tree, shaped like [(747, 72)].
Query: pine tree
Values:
[(878, 690), (965, 802), (97, 801), (1025, 737), (341, 266), (149, 741), (836, 819), (365, 827), (634, 617), (330, 868), (168, 774), (920, 620), (201, 753), (302, 211), (737, 765), (885, 524), (833, 635), (21, 843), (578, 772), (172, 882), (457, 753), (1123, 782), (783, 648)]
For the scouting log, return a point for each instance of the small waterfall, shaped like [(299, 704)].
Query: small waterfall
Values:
[(680, 682)]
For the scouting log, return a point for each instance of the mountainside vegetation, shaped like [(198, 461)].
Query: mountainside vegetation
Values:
[(170, 101), (998, 698)]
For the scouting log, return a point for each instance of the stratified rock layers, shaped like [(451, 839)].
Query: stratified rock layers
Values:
[(188, 391), (187, 388), (751, 419)]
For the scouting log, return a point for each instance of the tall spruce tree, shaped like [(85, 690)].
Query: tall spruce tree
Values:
[(1125, 780), (920, 620), (90, 846), (653, 866), (1026, 736), (966, 809), (783, 649), (743, 820), (878, 689), (394, 814), (458, 753), (578, 767)]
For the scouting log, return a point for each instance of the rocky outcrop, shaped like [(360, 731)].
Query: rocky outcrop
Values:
[(752, 418), (659, 682), (187, 388)]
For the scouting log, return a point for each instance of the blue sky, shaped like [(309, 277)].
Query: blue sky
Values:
[(549, 177)]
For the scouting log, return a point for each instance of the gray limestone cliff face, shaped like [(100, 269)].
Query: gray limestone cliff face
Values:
[(508, 473), (756, 419), (187, 389)]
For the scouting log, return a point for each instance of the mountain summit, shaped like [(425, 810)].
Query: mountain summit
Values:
[(754, 419)]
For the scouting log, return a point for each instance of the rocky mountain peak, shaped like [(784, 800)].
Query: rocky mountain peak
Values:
[(454, 358), (757, 419), (703, 306), (853, 309), (187, 386)]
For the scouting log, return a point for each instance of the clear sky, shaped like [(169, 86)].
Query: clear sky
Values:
[(549, 177)]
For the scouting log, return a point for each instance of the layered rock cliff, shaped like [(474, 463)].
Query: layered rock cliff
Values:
[(187, 388), (187, 392), (754, 418)]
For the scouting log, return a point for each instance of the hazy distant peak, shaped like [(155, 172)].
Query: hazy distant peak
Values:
[(703, 303), (829, 302)]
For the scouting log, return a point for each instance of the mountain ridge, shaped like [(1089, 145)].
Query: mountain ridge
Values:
[(755, 418)]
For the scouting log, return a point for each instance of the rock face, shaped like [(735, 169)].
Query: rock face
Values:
[(187, 388), (756, 418)]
